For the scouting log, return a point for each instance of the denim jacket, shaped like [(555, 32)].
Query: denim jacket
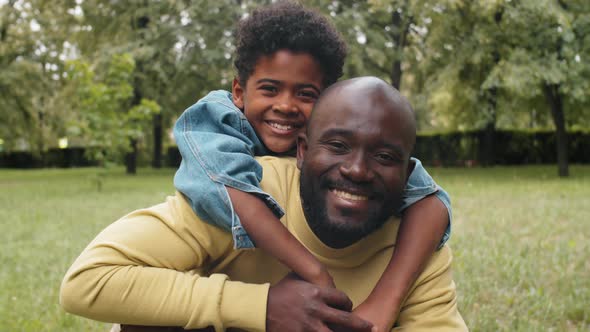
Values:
[(218, 145)]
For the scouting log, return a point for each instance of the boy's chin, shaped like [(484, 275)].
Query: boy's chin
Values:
[(281, 149)]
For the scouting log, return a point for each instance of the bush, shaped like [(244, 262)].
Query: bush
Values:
[(511, 147)]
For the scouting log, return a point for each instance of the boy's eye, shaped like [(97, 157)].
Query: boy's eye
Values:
[(269, 88), (309, 94)]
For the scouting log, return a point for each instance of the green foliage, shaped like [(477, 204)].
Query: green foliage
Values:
[(105, 118), (463, 64), (475, 47)]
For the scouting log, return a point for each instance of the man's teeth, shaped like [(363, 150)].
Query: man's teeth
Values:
[(280, 126), (349, 196)]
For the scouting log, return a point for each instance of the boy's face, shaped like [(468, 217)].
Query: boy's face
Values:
[(279, 96)]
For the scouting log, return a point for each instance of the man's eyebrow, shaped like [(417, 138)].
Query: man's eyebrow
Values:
[(336, 132), (395, 147), (350, 134), (299, 86)]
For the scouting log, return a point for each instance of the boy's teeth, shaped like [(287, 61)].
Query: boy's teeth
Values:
[(349, 196), (280, 126)]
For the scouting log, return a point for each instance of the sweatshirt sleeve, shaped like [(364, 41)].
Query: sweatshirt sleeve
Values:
[(432, 303), (144, 270)]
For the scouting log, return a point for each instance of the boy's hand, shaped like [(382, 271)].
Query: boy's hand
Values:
[(382, 316)]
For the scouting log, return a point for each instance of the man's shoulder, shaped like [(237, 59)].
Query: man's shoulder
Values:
[(278, 163), (279, 169), (280, 177)]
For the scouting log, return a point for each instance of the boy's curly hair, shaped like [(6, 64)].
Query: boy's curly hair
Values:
[(288, 25)]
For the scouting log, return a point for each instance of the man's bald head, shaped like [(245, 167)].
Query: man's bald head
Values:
[(375, 94)]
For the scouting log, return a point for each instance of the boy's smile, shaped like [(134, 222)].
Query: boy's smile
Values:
[(279, 96)]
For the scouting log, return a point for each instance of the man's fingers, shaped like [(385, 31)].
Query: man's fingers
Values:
[(345, 320), (336, 299)]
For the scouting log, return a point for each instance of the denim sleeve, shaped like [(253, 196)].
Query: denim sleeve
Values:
[(421, 184), (218, 146)]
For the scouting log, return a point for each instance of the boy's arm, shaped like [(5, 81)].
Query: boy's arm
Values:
[(425, 221), (431, 304), (269, 234), (423, 225)]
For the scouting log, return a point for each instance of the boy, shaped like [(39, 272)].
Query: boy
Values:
[(285, 56)]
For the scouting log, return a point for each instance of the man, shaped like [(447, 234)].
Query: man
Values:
[(163, 266)]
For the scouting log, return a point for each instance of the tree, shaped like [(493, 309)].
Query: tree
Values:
[(33, 38), (545, 60), (181, 50), (108, 119)]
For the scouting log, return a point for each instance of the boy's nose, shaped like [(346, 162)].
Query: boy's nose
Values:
[(287, 106)]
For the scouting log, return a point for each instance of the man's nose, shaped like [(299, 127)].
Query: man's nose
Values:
[(357, 168)]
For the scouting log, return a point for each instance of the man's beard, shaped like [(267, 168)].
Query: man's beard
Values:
[(333, 234)]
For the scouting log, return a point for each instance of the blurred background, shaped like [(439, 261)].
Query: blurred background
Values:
[(500, 89), (493, 82)]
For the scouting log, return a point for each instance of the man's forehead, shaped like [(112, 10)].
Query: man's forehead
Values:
[(364, 104)]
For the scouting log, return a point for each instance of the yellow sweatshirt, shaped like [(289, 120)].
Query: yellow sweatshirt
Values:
[(163, 266)]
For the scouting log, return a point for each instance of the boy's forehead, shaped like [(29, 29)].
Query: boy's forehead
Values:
[(284, 64)]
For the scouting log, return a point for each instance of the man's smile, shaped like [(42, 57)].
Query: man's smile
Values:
[(348, 195), (344, 196)]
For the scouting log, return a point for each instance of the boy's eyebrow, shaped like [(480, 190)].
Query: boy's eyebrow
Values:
[(277, 82)]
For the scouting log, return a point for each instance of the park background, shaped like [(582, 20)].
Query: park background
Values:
[(500, 89)]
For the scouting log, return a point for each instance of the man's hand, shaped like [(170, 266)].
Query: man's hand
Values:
[(298, 306)]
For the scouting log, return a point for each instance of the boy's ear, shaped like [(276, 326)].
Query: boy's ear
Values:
[(237, 92), (301, 149)]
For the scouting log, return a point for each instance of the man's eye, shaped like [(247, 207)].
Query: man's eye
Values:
[(337, 146), (386, 158)]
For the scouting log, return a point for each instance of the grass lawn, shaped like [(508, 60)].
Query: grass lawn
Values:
[(520, 240)]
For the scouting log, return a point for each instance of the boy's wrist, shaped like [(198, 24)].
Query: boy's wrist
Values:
[(318, 274), (391, 300)]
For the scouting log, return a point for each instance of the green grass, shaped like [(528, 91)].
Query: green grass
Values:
[(520, 240)]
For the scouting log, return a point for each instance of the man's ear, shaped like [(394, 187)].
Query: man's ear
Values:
[(237, 92), (301, 149)]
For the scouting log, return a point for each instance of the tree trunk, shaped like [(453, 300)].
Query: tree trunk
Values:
[(157, 159), (401, 26), (131, 158), (487, 146), (555, 101), (487, 155)]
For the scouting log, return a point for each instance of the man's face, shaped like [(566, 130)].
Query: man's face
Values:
[(354, 165), (279, 96)]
